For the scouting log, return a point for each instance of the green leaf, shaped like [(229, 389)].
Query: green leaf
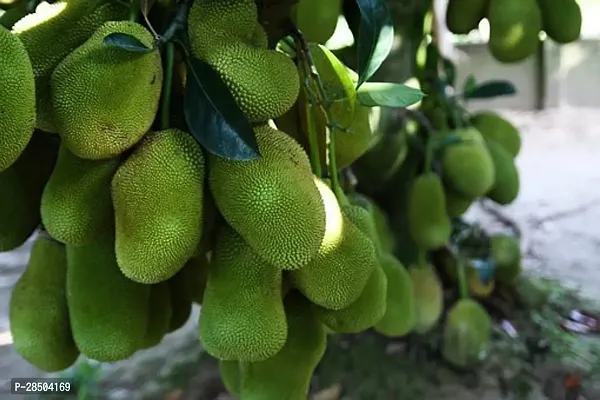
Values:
[(126, 42), (213, 116), (372, 94), (469, 83), (375, 37), (449, 71), (490, 89)]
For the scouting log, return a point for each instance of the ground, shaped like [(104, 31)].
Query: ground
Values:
[(558, 212)]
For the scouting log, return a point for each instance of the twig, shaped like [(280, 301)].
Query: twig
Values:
[(538, 222), (178, 23)]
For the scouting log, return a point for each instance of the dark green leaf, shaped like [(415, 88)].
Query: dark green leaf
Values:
[(449, 71), (126, 42), (145, 6), (375, 37), (213, 116), (490, 89), (469, 83), (372, 94)]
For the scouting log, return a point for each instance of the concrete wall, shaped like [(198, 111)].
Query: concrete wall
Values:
[(572, 75)]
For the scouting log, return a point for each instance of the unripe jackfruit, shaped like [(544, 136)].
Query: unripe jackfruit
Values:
[(561, 19), (287, 375), (76, 205), (429, 297), (108, 312), (158, 201), (17, 98), (493, 127), (242, 311), (39, 316), (159, 314), (272, 202), (105, 98), (507, 184), (506, 253), (463, 16), (230, 376), (316, 19), (428, 224), (456, 205), (180, 300), (51, 33), (21, 186)]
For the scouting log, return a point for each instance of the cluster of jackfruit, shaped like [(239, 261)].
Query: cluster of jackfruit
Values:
[(515, 24)]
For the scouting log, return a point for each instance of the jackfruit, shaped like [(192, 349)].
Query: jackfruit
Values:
[(158, 201), (456, 205), (337, 275), (109, 313), (467, 166), (105, 98), (514, 29), (561, 19), (493, 127), (506, 253), (429, 297), (428, 224), (507, 184), (159, 317), (272, 202), (230, 376), (361, 218), (467, 334), (264, 82), (463, 16), (242, 310), (362, 314), (22, 185), (76, 205), (180, 300), (384, 230), (194, 274), (316, 19), (39, 317), (17, 98), (400, 313), (369, 227), (51, 33), (274, 378)]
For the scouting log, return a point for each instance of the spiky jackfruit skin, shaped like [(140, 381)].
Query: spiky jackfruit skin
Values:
[(108, 312), (181, 301), (230, 376), (39, 315), (242, 310), (428, 223), (493, 127), (159, 314), (463, 16), (264, 82), (22, 185), (272, 202), (429, 297), (158, 201), (507, 183), (561, 19), (514, 29), (17, 98), (67, 24), (76, 206), (338, 273), (274, 378), (360, 217), (400, 313), (105, 98), (467, 167), (316, 19)]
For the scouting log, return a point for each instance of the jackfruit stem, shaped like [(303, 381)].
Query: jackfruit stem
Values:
[(134, 10), (463, 287), (169, 57), (422, 257), (428, 156), (313, 141), (179, 22)]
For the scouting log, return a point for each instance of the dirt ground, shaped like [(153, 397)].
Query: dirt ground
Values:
[(558, 211)]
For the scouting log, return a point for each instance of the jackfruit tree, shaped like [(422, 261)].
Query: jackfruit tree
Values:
[(222, 153)]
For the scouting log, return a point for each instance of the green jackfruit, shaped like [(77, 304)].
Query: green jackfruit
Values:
[(429, 297), (108, 312), (456, 205), (467, 334), (272, 202), (316, 19), (493, 127), (181, 300), (17, 98), (275, 379), (384, 230), (463, 16), (158, 200), (264, 82), (507, 184), (561, 19), (506, 253), (514, 29), (400, 314), (360, 217), (242, 310), (362, 314), (230, 375), (105, 98), (428, 224), (66, 25), (337, 275), (467, 167), (194, 274), (22, 185), (39, 316), (76, 205), (159, 318)]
